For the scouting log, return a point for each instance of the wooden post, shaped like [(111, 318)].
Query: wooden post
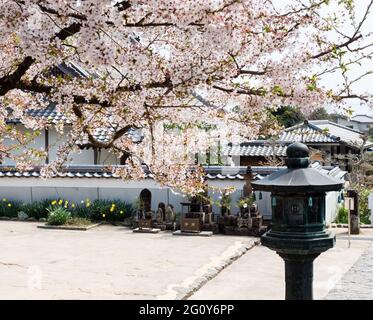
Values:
[(354, 211), (349, 205), (349, 223)]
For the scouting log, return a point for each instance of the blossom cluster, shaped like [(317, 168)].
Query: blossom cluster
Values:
[(156, 65)]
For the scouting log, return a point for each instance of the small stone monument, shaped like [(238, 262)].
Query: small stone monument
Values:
[(170, 216), (159, 215)]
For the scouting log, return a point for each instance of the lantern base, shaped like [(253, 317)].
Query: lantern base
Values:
[(298, 243)]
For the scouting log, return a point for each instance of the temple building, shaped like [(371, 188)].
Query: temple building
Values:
[(330, 144)]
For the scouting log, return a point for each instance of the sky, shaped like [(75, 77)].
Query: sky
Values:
[(365, 85)]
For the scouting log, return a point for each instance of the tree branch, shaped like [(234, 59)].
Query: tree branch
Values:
[(9, 82), (344, 44)]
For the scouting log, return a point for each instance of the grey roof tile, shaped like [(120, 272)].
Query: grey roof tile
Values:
[(212, 172), (254, 149)]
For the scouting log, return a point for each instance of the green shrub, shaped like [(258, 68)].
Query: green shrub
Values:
[(9, 208), (248, 201), (57, 215), (364, 211), (110, 210), (36, 209), (342, 215), (82, 209)]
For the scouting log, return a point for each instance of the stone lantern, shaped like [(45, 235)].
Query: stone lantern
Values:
[(298, 232)]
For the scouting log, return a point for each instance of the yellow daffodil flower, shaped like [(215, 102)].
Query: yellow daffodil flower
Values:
[(9, 205), (60, 202), (54, 202), (4, 200), (103, 215)]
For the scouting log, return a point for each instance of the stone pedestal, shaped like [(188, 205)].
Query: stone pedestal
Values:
[(145, 223), (185, 233), (146, 230), (298, 276), (190, 225), (354, 224), (298, 250)]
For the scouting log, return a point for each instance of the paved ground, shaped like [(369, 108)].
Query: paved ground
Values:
[(107, 262), (114, 263), (259, 274)]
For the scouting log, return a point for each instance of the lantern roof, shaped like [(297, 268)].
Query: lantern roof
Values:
[(298, 176)]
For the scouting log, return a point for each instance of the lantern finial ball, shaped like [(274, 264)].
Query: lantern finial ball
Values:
[(297, 150)]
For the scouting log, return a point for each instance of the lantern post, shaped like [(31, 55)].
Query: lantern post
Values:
[(298, 233)]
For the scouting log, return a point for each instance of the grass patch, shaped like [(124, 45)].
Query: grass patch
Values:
[(79, 222)]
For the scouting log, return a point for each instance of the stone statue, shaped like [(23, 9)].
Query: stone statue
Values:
[(159, 215), (170, 214)]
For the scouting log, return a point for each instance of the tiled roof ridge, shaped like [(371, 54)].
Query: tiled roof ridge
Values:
[(212, 172), (314, 127), (258, 142), (362, 115), (339, 125)]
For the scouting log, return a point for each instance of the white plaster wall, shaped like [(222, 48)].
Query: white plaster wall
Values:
[(37, 143), (236, 160), (129, 195), (107, 158), (23, 194), (33, 189), (55, 139), (364, 127), (264, 204), (348, 123), (84, 156), (331, 206), (74, 194), (175, 197)]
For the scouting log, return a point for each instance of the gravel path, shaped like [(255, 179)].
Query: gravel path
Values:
[(357, 283)]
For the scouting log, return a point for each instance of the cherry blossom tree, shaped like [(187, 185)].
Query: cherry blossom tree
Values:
[(182, 71)]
